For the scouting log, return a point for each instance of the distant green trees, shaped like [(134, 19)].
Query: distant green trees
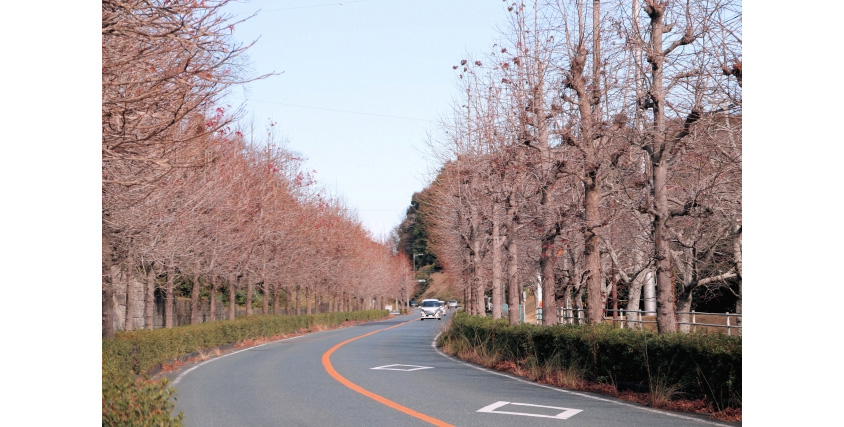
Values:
[(413, 236)]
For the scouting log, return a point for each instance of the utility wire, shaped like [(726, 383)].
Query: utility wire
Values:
[(336, 110), (339, 3)]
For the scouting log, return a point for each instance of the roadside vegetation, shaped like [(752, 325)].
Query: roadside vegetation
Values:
[(683, 372), (133, 396)]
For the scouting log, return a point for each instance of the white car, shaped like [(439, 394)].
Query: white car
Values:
[(430, 309)]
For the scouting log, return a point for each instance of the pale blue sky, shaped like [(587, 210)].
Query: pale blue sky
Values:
[(363, 84)]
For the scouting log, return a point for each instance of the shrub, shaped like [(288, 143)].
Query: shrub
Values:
[(132, 401), (701, 366)]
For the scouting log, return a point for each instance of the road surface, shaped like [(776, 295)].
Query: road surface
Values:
[(386, 373)]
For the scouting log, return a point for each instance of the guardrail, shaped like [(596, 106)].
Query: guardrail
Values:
[(732, 321)]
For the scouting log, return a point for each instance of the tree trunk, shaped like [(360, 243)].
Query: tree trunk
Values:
[(614, 294), (592, 254), (107, 287), (578, 305), (318, 301), (666, 318), (169, 299), (467, 300), (590, 116), (249, 290), (549, 295), (684, 306), (496, 262), (738, 261), (149, 304), (468, 282), (666, 313), (649, 289), (265, 302), (479, 284), (233, 285), (548, 253), (634, 296), (567, 303), (308, 305), (568, 287), (212, 296), (194, 300), (131, 297), (108, 310), (515, 297)]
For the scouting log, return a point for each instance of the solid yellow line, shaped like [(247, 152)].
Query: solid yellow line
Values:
[(326, 362)]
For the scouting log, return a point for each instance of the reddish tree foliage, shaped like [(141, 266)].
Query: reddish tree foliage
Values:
[(186, 200)]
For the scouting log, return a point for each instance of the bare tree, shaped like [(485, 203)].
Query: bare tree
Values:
[(164, 66), (679, 42), (551, 119), (707, 181)]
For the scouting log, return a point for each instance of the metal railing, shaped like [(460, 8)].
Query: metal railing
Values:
[(732, 321)]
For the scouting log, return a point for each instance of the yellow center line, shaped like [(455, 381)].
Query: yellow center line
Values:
[(326, 362)]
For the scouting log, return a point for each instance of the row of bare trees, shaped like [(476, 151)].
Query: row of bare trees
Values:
[(190, 196), (598, 146)]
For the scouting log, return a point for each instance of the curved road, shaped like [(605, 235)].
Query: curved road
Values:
[(385, 373)]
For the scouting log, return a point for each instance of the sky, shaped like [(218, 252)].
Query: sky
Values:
[(361, 88)]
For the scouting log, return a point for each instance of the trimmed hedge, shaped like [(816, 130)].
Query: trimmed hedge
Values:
[(706, 366), (130, 398)]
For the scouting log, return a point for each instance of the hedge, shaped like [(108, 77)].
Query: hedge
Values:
[(705, 366)]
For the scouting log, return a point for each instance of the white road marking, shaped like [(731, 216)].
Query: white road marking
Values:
[(524, 381), (564, 415), (406, 368)]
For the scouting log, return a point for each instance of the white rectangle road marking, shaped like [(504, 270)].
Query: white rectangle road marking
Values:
[(564, 415), (402, 367)]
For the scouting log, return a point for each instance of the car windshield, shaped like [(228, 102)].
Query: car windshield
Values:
[(430, 304)]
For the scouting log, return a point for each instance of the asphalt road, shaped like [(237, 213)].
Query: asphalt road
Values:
[(394, 376)]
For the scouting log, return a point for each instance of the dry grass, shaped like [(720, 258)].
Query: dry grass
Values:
[(662, 392), (209, 354)]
